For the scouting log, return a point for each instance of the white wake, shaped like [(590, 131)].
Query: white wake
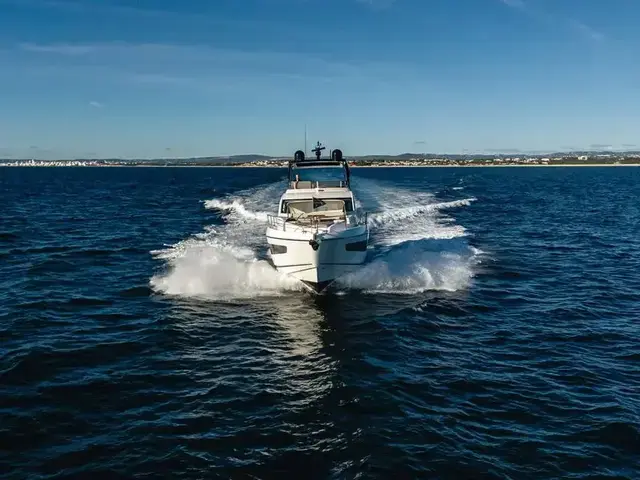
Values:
[(414, 247)]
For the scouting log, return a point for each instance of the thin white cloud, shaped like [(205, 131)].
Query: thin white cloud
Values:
[(577, 26), (587, 31), (184, 65), (95, 104), (61, 49)]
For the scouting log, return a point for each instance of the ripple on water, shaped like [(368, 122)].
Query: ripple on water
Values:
[(493, 336)]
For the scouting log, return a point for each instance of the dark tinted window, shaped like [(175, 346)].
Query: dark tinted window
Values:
[(356, 247), (277, 249)]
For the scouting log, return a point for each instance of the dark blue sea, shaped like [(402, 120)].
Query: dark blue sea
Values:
[(493, 333)]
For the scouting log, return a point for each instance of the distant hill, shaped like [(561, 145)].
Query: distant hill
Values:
[(230, 159), (250, 158), (458, 156)]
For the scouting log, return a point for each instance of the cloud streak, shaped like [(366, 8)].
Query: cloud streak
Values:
[(60, 49), (577, 26), (377, 4), (586, 31), (95, 104), (186, 65)]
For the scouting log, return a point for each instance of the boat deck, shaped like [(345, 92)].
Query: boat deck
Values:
[(330, 221)]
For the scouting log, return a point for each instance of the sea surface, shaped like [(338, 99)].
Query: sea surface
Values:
[(493, 333)]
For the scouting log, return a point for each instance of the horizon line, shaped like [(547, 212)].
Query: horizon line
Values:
[(284, 157)]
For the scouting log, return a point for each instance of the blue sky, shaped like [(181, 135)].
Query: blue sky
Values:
[(161, 78)]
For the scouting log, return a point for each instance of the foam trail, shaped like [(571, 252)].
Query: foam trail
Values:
[(237, 207), (399, 214), (414, 247), (414, 267), (223, 262), (215, 273)]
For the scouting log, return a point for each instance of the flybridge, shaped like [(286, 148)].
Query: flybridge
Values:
[(335, 155), (320, 171)]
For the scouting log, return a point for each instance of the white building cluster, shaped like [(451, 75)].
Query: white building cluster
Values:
[(50, 163)]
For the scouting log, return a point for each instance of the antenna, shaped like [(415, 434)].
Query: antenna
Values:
[(318, 150), (305, 139)]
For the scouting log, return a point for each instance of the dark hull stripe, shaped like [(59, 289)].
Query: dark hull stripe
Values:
[(298, 265), (320, 264)]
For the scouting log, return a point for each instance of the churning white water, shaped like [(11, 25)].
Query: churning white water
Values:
[(414, 247)]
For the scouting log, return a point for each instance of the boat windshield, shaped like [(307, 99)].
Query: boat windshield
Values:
[(319, 204), (315, 208), (319, 174)]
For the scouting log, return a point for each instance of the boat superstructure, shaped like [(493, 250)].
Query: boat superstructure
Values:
[(318, 234)]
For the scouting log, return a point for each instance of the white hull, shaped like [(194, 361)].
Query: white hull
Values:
[(318, 235), (336, 255)]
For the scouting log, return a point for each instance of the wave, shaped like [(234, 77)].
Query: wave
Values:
[(211, 272), (408, 212), (415, 267), (414, 247), (236, 206)]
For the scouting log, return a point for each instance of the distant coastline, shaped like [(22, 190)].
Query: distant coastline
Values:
[(352, 165), (572, 165), (505, 165), (573, 159)]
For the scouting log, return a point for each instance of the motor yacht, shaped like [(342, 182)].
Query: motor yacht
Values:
[(318, 234)]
